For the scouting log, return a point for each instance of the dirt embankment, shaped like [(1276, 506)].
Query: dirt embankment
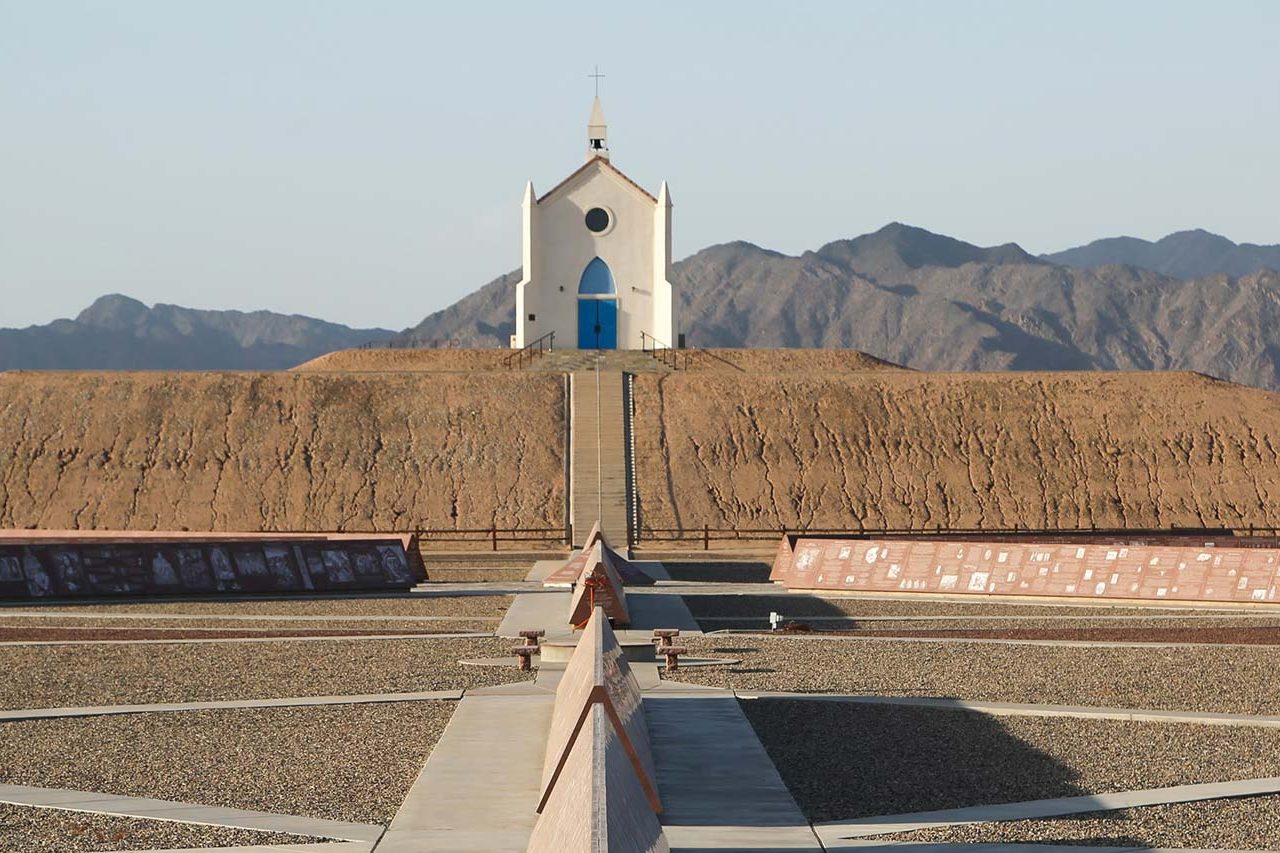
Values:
[(904, 449), (379, 359), (281, 451)]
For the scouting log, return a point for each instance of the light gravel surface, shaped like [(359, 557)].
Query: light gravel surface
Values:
[(386, 625), (1232, 680), (1248, 823), (58, 676), (400, 605), (980, 623), (31, 830), (798, 606), (348, 763), (844, 760)]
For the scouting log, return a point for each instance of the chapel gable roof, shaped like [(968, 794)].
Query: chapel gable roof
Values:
[(608, 167)]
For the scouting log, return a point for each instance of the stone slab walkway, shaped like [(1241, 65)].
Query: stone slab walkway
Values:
[(329, 847), (939, 847), (835, 832), (986, 641), (549, 611), (110, 804), (720, 790), (478, 790), (1018, 709), (292, 702)]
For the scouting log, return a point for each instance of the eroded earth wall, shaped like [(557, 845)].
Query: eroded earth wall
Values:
[(898, 449), (281, 451)]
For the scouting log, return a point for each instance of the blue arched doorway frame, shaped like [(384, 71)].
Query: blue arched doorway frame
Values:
[(597, 307)]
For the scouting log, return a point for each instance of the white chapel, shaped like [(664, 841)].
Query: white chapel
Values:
[(597, 259)]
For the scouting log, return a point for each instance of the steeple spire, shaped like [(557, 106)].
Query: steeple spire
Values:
[(597, 131)]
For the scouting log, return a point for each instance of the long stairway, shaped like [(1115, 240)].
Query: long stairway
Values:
[(598, 467)]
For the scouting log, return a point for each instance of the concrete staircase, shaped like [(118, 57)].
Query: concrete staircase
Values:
[(598, 455)]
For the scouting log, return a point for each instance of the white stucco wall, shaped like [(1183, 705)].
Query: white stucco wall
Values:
[(558, 246)]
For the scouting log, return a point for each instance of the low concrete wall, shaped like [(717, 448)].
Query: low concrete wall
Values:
[(598, 802), (599, 585), (598, 675)]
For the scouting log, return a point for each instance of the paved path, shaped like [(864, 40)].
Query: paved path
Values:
[(110, 804), (470, 635), (549, 610), (939, 847), (479, 788), (327, 847), (836, 831), (1020, 709), (719, 789), (292, 702)]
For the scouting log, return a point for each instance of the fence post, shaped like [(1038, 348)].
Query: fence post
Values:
[(493, 531), (706, 537)]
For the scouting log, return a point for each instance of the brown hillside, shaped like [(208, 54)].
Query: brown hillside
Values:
[(904, 449), (380, 359), (280, 451)]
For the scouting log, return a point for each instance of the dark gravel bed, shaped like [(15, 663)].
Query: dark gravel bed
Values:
[(718, 571), (32, 830), (409, 604), (1247, 823), (843, 760), (56, 676), (1233, 680), (351, 763)]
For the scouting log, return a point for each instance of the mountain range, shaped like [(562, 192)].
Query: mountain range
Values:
[(1191, 301), (120, 333)]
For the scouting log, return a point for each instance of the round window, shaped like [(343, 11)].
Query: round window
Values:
[(597, 220)]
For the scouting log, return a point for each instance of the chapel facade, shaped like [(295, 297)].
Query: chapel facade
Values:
[(597, 259)]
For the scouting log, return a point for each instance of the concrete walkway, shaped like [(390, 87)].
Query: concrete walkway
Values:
[(110, 804), (549, 611), (1017, 709), (836, 831), (230, 704), (719, 788), (940, 847), (327, 847), (479, 788)]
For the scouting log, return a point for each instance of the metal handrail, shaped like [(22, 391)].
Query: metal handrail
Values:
[(530, 351), (413, 343), (662, 351)]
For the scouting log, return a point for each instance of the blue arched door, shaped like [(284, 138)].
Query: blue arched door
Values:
[(597, 307)]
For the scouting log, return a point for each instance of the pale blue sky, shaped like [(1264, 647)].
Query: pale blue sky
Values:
[(364, 161)]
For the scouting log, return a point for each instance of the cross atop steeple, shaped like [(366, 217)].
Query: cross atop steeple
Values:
[(597, 76)]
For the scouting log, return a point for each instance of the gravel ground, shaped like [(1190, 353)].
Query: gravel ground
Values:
[(843, 760), (1248, 823), (351, 763), (53, 633), (1235, 680), (798, 606), (32, 830), (1250, 635), (54, 676), (476, 574), (380, 624), (400, 605)]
